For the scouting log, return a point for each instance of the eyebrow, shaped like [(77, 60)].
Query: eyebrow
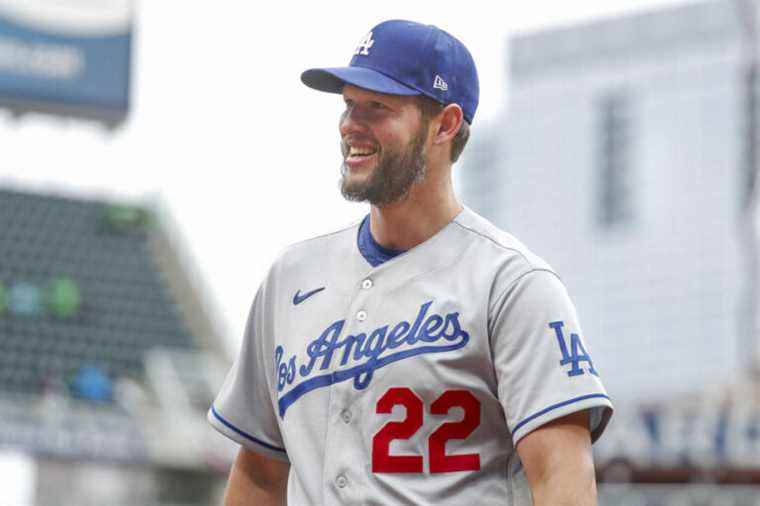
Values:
[(391, 104)]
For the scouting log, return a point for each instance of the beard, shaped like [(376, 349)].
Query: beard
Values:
[(396, 172)]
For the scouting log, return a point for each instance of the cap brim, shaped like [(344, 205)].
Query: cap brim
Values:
[(332, 80)]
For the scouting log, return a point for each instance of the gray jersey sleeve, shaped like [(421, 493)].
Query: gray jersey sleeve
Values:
[(544, 368), (244, 410)]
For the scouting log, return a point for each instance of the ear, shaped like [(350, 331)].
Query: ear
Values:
[(450, 121)]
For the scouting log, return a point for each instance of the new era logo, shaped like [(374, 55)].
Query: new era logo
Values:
[(440, 83), (365, 44)]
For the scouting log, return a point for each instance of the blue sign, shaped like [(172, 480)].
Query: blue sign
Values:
[(59, 67)]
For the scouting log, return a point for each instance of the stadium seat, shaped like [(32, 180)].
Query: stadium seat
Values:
[(75, 295)]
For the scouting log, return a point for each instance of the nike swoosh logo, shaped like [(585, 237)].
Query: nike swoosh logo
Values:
[(298, 297)]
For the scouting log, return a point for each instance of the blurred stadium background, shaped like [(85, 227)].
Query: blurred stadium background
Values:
[(627, 157), (634, 140)]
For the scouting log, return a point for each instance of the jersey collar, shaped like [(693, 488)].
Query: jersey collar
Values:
[(372, 251)]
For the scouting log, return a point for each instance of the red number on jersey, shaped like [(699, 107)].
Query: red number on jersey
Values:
[(439, 461), (382, 460)]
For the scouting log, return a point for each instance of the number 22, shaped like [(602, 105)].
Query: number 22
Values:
[(384, 462)]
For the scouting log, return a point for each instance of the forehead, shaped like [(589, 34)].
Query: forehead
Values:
[(360, 95)]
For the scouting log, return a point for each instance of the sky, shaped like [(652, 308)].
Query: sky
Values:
[(222, 133)]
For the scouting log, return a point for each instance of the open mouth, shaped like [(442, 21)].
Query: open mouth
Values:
[(359, 154)]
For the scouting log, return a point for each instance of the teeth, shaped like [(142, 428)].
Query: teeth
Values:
[(360, 151)]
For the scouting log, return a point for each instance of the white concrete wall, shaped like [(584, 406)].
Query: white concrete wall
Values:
[(657, 297)]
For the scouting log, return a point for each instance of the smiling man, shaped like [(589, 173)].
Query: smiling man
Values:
[(379, 167), (421, 355)]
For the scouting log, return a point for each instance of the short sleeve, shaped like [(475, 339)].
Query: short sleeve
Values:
[(544, 368), (243, 410)]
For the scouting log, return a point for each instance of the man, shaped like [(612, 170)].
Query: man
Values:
[(421, 356)]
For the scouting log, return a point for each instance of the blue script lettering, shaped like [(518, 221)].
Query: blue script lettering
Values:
[(397, 335), (323, 346), (366, 351), (286, 373)]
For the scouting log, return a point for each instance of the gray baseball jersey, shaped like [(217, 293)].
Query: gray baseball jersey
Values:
[(408, 377)]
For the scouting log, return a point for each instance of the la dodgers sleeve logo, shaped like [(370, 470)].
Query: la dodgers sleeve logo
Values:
[(433, 333), (575, 355)]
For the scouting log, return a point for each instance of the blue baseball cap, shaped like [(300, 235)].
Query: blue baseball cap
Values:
[(400, 57)]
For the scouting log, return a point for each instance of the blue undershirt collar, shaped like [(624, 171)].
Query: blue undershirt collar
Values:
[(371, 250)]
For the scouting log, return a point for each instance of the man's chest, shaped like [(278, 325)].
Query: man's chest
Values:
[(423, 329), (386, 368)]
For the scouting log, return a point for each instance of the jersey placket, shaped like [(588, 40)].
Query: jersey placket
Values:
[(343, 468)]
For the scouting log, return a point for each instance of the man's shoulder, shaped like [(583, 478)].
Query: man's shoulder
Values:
[(317, 249), (319, 241), (498, 244)]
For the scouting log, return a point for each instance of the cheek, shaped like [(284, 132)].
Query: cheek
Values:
[(395, 143), (392, 137)]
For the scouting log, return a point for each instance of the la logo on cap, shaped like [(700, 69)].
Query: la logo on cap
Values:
[(365, 44)]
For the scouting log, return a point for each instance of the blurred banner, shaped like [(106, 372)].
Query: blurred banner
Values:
[(68, 57)]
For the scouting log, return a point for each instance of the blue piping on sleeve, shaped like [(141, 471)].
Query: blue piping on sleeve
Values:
[(245, 434), (556, 406)]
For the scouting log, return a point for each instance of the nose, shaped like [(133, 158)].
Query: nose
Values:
[(350, 121)]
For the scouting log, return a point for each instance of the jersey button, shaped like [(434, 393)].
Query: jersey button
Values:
[(341, 481), (361, 315), (367, 284), (345, 415)]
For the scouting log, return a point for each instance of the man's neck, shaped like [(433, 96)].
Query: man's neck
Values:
[(412, 221)]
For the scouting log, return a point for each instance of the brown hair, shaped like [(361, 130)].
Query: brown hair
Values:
[(429, 108)]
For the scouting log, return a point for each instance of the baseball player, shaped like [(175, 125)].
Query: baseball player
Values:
[(421, 355)]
